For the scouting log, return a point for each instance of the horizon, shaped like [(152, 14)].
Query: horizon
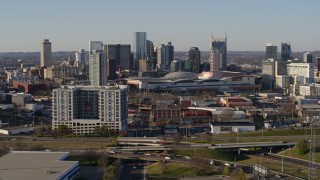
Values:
[(70, 25)]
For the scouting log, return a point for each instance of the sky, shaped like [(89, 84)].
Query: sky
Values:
[(70, 24)]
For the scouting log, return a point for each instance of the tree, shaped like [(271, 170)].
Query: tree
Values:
[(63, 130), (302, 147), (258, 121), (177, 138), (96, 131), (227, 171), (238, 175)]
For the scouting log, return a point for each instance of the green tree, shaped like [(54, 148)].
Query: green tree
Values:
[(258, 121), (177, 138), (227, 171), (104, 131), (97, 130), (238, 175), (63, 130), (302, 148)]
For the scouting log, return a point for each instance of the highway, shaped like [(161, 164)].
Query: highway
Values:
[(287, 160)]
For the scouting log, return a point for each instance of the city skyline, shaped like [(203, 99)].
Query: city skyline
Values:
[(71, 25)]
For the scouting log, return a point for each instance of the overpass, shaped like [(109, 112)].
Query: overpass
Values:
[(252, 145)]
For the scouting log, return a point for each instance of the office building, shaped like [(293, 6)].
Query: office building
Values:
[(161, 56), (169, 50), (307, 57), (318, 62), (165, 55), (139, 47), (278, 51), (303, 73), (218, 54), (180, 65), (82, 108), (112, 69), (97, 68), (194, 59), (45, 53), (80, 57), (120, 53), (95, 45), (150, 49)]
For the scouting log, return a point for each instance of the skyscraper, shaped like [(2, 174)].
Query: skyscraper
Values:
[(218, 54), (95, 45), (120, 53), (278, 51), (97, 68), (80, 56), (169, 50), (161, 55), (140, 47), (97, 64), (45, 53), (307, 57), (194, 59)]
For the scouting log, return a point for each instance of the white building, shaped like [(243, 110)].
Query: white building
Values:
[(82, 108), (229, 127), (80, 56), (303, 73)]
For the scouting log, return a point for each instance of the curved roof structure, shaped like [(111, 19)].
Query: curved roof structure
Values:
[(180, 75)]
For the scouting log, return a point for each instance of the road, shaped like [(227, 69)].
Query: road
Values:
[(286, 160)]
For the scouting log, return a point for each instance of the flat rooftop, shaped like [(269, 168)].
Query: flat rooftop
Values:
[(35, 165)]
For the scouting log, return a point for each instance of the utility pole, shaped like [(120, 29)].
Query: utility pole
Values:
[(282, 161), (312, 174)]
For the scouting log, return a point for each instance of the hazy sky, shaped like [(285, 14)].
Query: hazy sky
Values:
[(70, 24)]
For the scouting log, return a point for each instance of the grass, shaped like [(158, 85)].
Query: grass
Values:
[(294, 153), (171, 169), (276, 166)]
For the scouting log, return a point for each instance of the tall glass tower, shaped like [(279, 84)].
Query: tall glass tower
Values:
[(139, 47)]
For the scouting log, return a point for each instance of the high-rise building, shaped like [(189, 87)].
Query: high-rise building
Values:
[(97, 68), (80, 56), (82, 108), (161, 56), (111, 69), (150, 49), (318, 62), (278, 51), (120, 53), (218, 54), (140, 47), (194, 59), (303, 73), (97, 64), (307, 57), (45, 53), (169, 48), (165, 55), (95, 45)]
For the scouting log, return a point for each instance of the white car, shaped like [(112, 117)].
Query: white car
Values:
[(187, 157), (167, 158), (147, 154)]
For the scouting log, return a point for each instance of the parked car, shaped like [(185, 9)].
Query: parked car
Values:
[(187, 157), (167, 158)]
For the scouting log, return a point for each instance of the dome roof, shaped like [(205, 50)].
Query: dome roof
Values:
[(180, 75)]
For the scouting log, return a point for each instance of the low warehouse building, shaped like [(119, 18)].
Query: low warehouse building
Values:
[(38, 165), (229, 127)]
